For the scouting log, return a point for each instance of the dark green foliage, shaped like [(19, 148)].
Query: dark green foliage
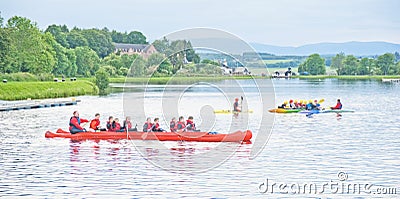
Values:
[(314, 65), (102, 80)]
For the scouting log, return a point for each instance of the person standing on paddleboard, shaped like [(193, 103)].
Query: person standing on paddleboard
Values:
[(75, 123), (236, 107)]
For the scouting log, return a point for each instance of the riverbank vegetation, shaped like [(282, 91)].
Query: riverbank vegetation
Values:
[(28, 54), (42, 90)]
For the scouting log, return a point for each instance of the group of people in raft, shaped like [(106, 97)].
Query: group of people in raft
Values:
[(307, 105), (113, 125)]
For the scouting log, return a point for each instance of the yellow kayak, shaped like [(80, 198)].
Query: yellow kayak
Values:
[(231, 111)]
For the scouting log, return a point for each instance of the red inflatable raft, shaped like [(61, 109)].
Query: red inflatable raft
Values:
[(238, 136)]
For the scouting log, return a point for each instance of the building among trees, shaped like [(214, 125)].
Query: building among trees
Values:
[(144, 50)]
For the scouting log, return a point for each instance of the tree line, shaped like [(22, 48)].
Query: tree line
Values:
[(386, 64), (59, 50)]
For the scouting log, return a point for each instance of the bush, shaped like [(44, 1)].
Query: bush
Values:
[(102, 80)]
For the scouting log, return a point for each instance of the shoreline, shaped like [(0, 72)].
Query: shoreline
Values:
[(13, 91)]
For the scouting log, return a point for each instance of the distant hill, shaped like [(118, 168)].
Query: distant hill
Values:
[(353, 48)]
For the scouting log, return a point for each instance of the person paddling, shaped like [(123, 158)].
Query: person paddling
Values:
[(75, 123), (128, 125), (95, 123), (283, 105), (156, 126), (117, 126), (173, 125), (147, 127), (109, 125), (338, 105), (181, 124), (190, 125), (236, 107)]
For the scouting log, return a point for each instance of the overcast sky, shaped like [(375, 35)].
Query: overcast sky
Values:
[(281, 22)]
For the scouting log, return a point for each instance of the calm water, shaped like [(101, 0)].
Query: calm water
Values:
[(365, 145)]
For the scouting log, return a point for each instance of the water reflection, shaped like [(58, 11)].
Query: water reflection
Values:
[(364, 144)]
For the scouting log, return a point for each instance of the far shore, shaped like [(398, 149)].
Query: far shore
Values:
[(85, 86)]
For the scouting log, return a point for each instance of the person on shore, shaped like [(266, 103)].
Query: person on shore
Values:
[(95, 123), (75, 123), (128, 125), (338, 105), (190, 125), (236, 107), (109, 125), (156, 126), (117, 126), (173, 125), (181, 124), (148, 126)]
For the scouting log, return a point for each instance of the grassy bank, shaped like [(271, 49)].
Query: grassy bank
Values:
[(173, 80), (42, 90)]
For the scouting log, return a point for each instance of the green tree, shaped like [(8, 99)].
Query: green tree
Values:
[(99, 41), (5, 42), (138, 67), (62, 63), (127, 60), (87, 61), (314, 64), (397, 69), (111, 70), (366, 66), (102, 80), (161, 45), (155, 59), (72, 67), (350, 65), (397, 56), (117, 37), (60, 34), (135, 37), (385, 62), (28, 49), (113, 60), (337, 62), (75, 39)]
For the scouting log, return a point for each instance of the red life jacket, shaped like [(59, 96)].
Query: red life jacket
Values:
[(190, 125), (117, 126), (181, 124), (109, 126), (173, 126), (75, 122), (94, 124), (338, 106), (148, 128), (128, 124)]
